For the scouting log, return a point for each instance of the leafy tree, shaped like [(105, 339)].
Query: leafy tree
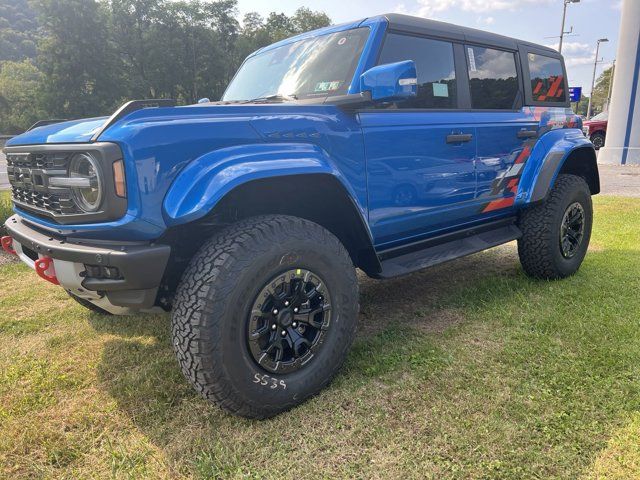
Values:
[(305, 20), (77, 59), (18, 30), (20, 96), (93, 55), (601, 91), (258, 32)]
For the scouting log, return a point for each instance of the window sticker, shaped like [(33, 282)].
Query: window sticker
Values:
[(472, 60), (440, 90), (327, 86), (342, 41)]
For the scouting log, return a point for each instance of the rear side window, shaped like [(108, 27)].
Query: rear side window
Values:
[(547, 78), (493, 78), (435, 66)]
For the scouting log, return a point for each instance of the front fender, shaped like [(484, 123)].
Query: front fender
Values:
[(206, 180), (547, 159)]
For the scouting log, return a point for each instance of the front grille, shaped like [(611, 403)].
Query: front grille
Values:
[(29, 175), (32, 168)]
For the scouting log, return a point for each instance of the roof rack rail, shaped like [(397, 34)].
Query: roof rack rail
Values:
[(42, 123), (132, 106)]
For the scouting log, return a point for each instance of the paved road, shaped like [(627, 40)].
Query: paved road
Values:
[(618, 180), (615, 180)]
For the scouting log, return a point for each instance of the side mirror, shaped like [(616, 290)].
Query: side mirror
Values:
[(391, 81)]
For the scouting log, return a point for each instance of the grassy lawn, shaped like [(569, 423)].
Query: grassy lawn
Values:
[(5, 208), (468, 370)]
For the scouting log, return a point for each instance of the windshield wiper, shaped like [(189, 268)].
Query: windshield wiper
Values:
[(275, 96)]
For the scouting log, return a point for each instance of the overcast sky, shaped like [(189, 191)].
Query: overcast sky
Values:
[(532, 20)]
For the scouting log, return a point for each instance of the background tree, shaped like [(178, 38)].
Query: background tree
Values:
[(77, 59), (20, 93), (18, 30), (601, 91), (87, 57)]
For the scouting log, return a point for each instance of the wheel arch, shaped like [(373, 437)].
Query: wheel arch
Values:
[(580, 161), (318, 197)]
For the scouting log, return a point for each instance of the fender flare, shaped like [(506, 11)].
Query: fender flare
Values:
[(548, 158), (208, 179)]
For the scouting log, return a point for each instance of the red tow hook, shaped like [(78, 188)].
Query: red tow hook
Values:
[(7, 245), (45, 269)]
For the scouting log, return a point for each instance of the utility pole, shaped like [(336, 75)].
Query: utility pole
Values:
[(564, 17), (593, 80)]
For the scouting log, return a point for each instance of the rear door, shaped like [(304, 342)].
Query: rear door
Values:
[(421, 152), (505, 131)]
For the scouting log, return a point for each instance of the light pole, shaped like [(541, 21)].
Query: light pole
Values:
[(564, 17), (593, 80)]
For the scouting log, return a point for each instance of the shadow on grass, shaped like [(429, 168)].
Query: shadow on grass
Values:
[(140, 371)]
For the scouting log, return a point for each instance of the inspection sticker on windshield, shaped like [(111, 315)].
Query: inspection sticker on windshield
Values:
[(327, 86)]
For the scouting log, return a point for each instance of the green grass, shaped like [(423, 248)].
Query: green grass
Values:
[(467, 370), (5, 208)]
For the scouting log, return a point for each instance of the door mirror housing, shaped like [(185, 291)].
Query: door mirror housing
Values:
[(391, 81)]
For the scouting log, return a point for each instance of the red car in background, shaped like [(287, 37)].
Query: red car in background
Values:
[(596, 129)]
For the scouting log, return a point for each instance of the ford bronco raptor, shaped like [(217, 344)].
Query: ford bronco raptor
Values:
[(389, 144)]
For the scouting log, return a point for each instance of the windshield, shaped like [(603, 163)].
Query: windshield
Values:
[(601, 117), (313, 67)]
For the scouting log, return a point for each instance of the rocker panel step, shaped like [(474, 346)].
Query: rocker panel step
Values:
[(445, 252)]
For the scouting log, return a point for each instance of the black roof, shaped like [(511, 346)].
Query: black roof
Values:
[(425, 26)]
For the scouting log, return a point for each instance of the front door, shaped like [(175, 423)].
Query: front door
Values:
[(420, 152), (420, 172)]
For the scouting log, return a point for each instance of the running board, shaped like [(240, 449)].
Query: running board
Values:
[(445, 252)]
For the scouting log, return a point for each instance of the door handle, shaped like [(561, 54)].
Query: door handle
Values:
[(527, 133), (459, 137)]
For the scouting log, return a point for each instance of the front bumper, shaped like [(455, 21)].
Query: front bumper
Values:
[(118, 277)]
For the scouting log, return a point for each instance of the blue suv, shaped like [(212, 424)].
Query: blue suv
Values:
[(389, 144)]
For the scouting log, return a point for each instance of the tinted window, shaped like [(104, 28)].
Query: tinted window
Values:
[(492, 78), (547, 79), (434, 63)]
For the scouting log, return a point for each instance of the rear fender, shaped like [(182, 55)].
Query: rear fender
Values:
[(206, 180), (547, 159)]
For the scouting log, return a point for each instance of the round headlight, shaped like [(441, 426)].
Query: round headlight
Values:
[(88, 192)]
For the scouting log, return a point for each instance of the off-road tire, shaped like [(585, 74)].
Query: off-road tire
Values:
[(213, 303), (88, 305), (539, 247)]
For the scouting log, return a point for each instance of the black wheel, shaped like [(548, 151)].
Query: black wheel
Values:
[(88, 305), (265, 314), (598, 140), (556, 233)]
